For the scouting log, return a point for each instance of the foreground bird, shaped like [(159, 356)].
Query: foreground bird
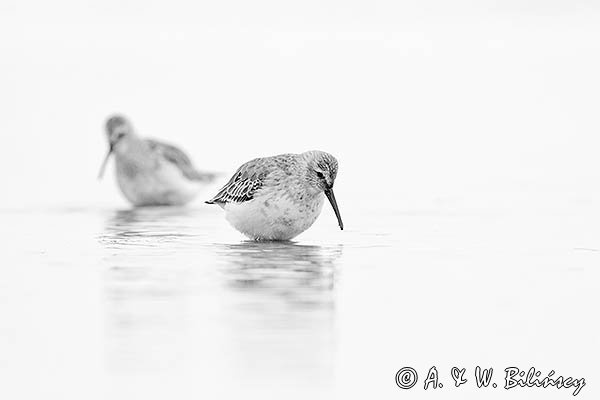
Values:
[(149, 172), (279, 197)]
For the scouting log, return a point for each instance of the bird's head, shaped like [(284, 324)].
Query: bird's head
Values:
[(118, 128), (322, 171)]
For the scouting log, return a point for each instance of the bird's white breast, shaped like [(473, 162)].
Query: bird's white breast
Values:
[(274, 216)]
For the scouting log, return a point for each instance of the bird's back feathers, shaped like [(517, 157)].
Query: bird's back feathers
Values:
[(177, 157), (244, 183)]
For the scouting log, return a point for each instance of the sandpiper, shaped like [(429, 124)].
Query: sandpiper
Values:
[(279, 197), (149, 172)]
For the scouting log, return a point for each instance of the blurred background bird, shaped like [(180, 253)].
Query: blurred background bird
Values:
[(150, 172)]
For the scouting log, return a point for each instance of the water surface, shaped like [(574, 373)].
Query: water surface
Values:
[(114, 303)]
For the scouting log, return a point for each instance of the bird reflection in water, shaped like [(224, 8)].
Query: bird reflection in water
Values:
[(148, 263), (148, 226), (281, 311), (303, 275)]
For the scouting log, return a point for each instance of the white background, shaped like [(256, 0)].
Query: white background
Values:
[(466, 102)]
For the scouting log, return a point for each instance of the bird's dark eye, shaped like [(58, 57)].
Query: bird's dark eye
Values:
[(320, 175)]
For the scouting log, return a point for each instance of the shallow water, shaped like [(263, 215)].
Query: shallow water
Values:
[(172, 302)]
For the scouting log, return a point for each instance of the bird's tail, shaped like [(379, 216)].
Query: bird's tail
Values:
[(206, 177)]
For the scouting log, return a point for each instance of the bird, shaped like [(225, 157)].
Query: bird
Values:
[(279, 197), (150, 172)]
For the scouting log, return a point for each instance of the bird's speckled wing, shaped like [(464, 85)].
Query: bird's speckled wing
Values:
[(249, 178), (177, 157)]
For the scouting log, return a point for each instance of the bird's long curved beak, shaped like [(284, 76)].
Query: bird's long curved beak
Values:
[(103, 166), (331, 198)]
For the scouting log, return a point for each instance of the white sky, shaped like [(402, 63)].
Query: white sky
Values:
[(423, 103)]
